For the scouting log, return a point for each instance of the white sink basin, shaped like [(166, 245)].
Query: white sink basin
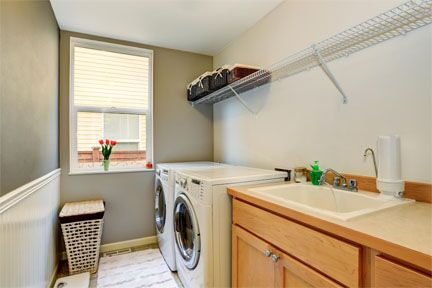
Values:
[(326, 200)]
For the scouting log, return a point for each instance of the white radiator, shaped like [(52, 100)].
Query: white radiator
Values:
[(28, 233)]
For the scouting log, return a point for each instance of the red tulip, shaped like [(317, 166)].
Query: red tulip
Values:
[(101, 141), (113, 143), (107, 142)]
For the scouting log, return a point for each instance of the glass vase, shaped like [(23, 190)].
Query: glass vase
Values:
[(106, 164)]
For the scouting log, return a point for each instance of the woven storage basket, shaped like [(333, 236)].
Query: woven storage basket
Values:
[(219, 78), (200, 87), (82, 224), (239, 71)]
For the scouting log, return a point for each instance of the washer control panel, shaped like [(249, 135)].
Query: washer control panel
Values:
[(181, 182), (194, 188)]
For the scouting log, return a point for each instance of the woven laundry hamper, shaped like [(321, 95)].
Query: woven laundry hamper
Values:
[(81, 224)]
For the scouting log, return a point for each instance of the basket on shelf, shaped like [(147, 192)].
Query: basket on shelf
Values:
[(219, 78), (81, 224), (252, 81), (239, 71), (200, 87)]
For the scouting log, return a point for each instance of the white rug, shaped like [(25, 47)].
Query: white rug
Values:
[(144, 268)]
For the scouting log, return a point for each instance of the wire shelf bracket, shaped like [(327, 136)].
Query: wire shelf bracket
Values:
[(324, 67), (243, 102)]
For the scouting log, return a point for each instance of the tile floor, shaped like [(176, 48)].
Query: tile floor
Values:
[(63, 269)]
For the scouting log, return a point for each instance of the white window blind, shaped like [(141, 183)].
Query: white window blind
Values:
[(108, 79), (111, 97)]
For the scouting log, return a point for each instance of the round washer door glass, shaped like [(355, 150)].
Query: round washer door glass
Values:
[(186, 230), (160, 207)]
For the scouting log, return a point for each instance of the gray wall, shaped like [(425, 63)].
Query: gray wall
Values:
[(29, 92), (181, 133)]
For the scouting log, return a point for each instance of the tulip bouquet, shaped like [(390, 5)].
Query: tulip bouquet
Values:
[(106, 151)]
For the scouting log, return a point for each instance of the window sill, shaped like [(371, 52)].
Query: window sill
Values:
[(114, 171)]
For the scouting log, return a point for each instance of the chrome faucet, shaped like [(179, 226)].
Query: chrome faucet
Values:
[(324, 176), (339, 181), (373, 157)]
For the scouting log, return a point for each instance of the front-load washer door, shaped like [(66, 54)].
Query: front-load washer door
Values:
[(187, 235), (160, 207)]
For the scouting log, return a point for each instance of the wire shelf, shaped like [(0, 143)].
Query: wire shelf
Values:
[(398, 21)]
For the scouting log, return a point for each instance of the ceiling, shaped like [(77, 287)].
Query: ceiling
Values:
[(201, 26)]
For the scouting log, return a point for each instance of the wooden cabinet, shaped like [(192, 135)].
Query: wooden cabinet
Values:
[(270, 250), (391, 274), (292, 273), (333, 257), (250, 266), (258, 264)]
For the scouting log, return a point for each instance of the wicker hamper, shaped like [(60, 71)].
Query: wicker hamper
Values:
[(81, 224)]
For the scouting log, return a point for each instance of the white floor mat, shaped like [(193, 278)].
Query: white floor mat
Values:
[(145, 268)]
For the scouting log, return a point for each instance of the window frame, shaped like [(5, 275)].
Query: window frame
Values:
[(73, 110)]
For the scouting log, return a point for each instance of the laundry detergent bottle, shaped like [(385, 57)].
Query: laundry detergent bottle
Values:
[(315, 173)]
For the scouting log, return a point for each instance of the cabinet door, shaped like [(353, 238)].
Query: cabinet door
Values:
[(333, 257), (391, 274), (251, 266), (290, 272)]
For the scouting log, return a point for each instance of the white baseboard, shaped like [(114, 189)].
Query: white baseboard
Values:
[(123, 245), (128, 244)]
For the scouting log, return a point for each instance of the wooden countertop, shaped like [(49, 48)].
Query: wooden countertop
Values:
[(404, 232)]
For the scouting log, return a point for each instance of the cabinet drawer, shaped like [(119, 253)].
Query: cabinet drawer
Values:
[(293, 273), (390, 274), (329, 255)]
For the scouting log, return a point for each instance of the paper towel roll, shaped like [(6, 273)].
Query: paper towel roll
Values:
[(389, 165)]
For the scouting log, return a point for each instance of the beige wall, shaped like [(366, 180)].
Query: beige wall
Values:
[(302, 118), (181, 133), (29, 92)]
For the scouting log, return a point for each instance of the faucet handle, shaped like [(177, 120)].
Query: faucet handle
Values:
[(352, 184), (336, 181)]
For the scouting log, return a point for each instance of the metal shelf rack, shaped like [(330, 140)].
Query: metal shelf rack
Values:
[(398, 21)]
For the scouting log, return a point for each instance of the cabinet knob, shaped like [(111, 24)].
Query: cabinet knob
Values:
[(267, 253), (274, 258)]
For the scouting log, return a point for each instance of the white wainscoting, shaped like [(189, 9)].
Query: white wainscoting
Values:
[(28, 233)]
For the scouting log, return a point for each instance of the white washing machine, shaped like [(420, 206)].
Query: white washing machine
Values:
[(202, 221), (164, 203)]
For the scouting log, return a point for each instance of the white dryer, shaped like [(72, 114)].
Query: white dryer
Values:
[(202, 221), (164, 203)]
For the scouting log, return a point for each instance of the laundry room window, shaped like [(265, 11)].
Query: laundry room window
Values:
[(110, 98)]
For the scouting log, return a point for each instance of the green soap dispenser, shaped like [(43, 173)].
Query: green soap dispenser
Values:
[(315, 173)]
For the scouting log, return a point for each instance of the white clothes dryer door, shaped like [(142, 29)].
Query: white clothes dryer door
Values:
[(163, 223), (187, 234)]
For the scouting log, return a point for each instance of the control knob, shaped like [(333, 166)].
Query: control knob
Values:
[(183, 183)]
